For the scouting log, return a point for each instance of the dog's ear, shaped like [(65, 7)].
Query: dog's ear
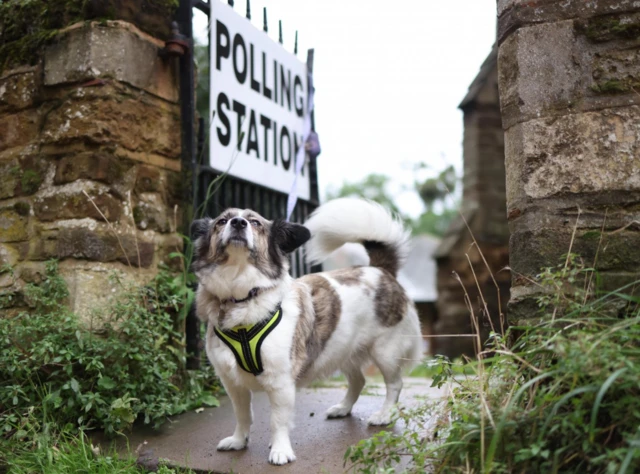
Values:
[(288, 236), (199, 227)]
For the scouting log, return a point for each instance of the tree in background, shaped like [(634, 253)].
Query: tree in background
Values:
[(373, 187), (201, 57), (436, 194)]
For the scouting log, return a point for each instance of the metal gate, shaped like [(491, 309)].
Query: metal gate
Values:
[(200, 185)]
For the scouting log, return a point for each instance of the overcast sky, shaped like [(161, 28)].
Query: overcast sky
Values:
[(388, 76)]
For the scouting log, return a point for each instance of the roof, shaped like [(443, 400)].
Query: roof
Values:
[(417, 276), (480, 80)]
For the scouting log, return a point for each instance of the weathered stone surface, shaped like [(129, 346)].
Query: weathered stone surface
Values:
[(166, 246), (115, 50), (533, 250), (103, 246), (124, 121), (18, 90), (571, 74), (148, 180), (74, 204), (8, 255), (151, 216), (22, 176), (19, 129), (32, 272), (594, 152), (13, 226), (98, 166), (514, 14)]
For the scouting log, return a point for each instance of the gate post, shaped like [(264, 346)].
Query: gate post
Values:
[(570, 99), (89, 144)]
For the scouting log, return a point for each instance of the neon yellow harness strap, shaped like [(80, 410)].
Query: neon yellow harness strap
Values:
[(245, 341)]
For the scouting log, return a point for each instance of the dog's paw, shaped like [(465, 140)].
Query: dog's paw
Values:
[(232, 444), (338, 411), (280, 456), (380, 418)]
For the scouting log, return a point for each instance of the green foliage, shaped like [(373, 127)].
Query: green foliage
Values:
[(58, 375), (436, 189), (201, 57), (433, 223), (564, 397), (373, 187)]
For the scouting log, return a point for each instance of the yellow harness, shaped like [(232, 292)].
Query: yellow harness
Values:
[(245, 341)]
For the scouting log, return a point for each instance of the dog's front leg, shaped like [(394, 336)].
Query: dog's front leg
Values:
[(241, 399), (282, 400)]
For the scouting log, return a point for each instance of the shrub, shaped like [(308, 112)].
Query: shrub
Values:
[(58, 375), (564, 397)]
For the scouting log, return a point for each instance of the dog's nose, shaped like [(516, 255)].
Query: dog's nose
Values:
[(238, 223)]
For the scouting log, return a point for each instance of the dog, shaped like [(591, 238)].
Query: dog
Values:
[(267, 331)]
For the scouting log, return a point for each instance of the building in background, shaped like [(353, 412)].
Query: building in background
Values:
[(467, 287)]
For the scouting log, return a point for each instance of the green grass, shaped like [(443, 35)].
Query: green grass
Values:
[(559, 394)]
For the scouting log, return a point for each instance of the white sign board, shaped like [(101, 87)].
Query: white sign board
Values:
[(259, 101)]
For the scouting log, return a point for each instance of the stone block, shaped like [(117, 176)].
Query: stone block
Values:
[(13, 225), (547, 53), (515, 14), (18, 90), (97, 166), (103, 246), (589, 153), (72, 203), (8, 255), (113, 50), (151, 215), (22, 176), (19, 129), (148, 179), (116, 120)]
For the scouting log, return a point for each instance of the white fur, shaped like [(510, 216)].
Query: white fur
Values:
[(358, 339), (353, 220)]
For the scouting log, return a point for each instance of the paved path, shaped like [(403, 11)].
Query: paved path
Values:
[(190, 439)]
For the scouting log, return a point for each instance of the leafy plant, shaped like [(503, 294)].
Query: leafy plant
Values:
[(58, 375), (563, 397)]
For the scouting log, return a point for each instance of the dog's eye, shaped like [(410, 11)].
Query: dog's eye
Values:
[(255, 222), (221, 222)]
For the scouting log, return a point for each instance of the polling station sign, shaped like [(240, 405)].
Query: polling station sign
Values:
[(258, 96)]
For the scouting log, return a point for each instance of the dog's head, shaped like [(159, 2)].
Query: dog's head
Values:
[(245, 239)]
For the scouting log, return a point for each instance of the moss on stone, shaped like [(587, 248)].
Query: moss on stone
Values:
[(607, 28), (616, 86), (30, 181), (22, 208), (138, 215), (28, 25)]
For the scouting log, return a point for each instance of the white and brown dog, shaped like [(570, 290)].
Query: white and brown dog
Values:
[(270, 332)]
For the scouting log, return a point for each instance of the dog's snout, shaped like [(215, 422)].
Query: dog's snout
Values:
[(238, 223)]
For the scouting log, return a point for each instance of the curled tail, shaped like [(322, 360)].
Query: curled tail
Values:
[(357, 220)]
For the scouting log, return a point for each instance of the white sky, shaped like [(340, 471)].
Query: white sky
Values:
[(388, 77)]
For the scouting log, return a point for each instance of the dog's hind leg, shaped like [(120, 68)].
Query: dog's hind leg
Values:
[(392, 373), (356, 383), (282, 399), (241, 399)]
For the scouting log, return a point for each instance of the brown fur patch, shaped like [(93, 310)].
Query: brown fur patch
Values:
[(347, 276), (391, 300), (383, 256), (317, 321)]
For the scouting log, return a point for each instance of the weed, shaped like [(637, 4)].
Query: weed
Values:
[(54, 368), (564, 397)]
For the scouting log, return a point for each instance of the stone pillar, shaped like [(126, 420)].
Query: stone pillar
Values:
[(569, 76), (89, 145), (484, 209)]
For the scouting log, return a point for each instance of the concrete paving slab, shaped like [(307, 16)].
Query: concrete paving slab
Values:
[(190, 440)]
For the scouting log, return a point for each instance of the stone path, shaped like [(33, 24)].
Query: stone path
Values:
[(190, 440)]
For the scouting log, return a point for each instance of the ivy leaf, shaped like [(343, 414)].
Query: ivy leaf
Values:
[(106, 383)]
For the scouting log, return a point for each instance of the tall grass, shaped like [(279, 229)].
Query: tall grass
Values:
[(562, 396)]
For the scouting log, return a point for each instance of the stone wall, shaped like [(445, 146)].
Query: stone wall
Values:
[(89, 155), (570, 98), (480, 290)]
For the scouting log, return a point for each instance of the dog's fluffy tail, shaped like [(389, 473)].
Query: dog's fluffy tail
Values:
[(357, 220)]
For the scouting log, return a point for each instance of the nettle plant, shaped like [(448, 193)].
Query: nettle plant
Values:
[(562, 396), (58, 375)]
